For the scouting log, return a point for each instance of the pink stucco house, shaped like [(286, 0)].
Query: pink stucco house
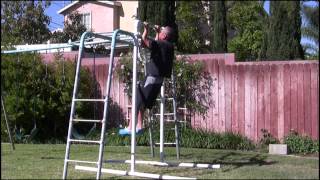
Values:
[(104, 16)]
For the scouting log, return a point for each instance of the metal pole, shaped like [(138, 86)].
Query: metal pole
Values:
[(106, 103), (134, 95), (161, 122), (150, 133), (176, 123), (7, 123), (77, 76)]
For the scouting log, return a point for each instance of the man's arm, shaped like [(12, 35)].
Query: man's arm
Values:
[(146, 42)]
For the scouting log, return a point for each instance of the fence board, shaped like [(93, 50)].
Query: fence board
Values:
[(235, 100), (210, 123), (274, 100), (307, 100), (221, 100), (215, 96), (247, 99), (300, 102), (254, 102), (280, 90), (315, 101), (267, 77), (293, 97), (287, 94), (261, 104), (241, 100), (228, 96)]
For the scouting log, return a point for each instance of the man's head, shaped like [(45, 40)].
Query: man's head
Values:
[(166, 33)]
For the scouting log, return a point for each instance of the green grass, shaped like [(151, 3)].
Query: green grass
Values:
[(45, 161)]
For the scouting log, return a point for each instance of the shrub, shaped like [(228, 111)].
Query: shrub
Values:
[(189, 138), (267, 139), (38, 96), (301, 144), (192, 82)]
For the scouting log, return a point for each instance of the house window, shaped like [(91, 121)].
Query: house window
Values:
[(86, 20)]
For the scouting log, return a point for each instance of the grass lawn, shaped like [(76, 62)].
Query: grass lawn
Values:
[(45, 161)]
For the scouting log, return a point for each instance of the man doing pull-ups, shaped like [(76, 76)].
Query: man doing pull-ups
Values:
[(158, 67)]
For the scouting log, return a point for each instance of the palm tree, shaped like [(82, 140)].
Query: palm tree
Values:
[(310, 30)]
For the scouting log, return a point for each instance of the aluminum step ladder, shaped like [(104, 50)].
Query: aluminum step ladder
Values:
[(171, 117)]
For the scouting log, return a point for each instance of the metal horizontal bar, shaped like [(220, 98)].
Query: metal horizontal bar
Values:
[(156, 163), (86, 120), (165, 114), (170, 120), (35, 49), (130, 173), (166, 98), (168, 143), (127, 40), (90, 100), (84, 141), (78, 161)]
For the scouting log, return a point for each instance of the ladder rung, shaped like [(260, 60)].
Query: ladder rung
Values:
[(77, 161), (86, 120), (90, 100), (167, 143), (165, 114), (85, 141), (165, 98), (170, 120)]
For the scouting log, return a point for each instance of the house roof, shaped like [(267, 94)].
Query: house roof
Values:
[(112, 3)]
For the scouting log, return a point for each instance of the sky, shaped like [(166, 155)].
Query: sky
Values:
[(57, 19)]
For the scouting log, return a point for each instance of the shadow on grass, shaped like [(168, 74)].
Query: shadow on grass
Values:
[(232, 160)]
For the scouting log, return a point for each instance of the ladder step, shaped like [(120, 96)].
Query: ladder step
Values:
[(170, 120), (166, 143), (166, 98), (86, 120), (165, 114), (90, 100), (85, 141), (78, 161)]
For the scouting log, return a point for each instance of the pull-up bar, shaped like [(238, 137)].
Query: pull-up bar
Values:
[(122, 38)]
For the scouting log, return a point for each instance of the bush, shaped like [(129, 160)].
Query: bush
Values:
[(267, 139), (192, 82), (301, 144), (38, 96), (189, 138)]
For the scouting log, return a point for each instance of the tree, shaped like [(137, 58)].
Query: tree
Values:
[(246, 19), (310, 30), (190, 18), (283, 32), (219, 27), (158, 12), (24, 22), (73, 29)]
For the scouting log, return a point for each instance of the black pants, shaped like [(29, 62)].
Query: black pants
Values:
[(147, 96)]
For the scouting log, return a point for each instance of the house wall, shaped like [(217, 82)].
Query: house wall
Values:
[(129, 8), (104, 18)]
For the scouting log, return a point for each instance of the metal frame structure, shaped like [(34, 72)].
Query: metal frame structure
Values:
[(124, 39)]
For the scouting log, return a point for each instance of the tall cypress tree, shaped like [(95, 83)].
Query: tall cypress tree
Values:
[(158, 12), (284, 31), (219, 27)]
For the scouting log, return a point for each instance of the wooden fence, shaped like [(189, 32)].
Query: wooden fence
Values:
[(246, 97)]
